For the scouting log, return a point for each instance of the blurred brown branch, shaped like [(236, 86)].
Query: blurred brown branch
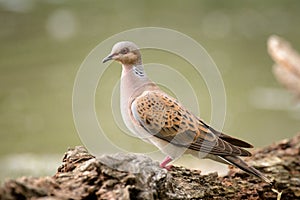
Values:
[(287, 63)]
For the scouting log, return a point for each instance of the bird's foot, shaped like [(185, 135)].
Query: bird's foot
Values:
[(164, 163), (167, 167)]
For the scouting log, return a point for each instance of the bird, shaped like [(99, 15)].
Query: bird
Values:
[(163, 121)]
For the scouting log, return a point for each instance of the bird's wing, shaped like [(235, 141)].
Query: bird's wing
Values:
[(164, 117), (227, 138)]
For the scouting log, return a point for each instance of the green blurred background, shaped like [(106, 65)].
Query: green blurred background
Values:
[(44, 42)]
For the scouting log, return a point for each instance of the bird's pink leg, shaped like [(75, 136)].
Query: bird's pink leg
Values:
[(164, 163)]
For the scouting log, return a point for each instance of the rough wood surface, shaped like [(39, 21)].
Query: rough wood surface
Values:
[(82, 176)]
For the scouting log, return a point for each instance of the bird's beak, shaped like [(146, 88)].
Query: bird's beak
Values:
[(108, 58)]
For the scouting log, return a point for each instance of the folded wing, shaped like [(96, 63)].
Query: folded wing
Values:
[(164, 117)]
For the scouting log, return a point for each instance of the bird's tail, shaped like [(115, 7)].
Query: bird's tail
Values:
[(236, 161)]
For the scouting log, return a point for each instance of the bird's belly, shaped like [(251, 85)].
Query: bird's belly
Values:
[(138, 131), (130, 123)]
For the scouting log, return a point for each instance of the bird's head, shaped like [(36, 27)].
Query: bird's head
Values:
[(126, 53)]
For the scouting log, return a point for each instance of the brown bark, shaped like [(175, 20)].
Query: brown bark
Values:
[(82, 176)]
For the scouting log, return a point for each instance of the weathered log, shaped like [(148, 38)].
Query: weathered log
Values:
[(82, 176)]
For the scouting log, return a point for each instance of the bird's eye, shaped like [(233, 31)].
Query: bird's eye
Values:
[(124, 51)]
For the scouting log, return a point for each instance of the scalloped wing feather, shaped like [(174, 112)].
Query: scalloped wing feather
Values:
[(164, 117)]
